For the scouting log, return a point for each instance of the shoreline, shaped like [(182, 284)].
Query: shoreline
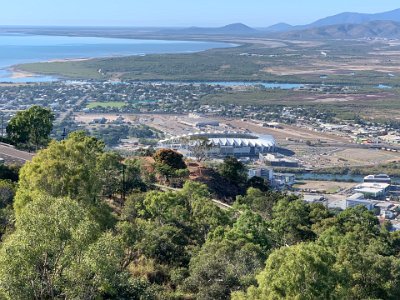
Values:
[(16, 72), (61, 60)]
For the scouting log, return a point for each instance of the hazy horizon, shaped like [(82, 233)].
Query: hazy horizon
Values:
[(178, 13)]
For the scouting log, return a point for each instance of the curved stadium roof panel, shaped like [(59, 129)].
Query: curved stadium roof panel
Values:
[(226, 139)]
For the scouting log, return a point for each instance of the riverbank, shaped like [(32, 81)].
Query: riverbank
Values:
[(347, 174)]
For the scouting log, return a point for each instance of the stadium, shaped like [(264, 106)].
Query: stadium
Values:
[(221, 144)]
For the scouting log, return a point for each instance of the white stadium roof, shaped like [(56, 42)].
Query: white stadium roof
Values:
[(227, 139), (261, 142)]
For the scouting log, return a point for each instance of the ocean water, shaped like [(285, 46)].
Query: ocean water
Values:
[(19, 48)]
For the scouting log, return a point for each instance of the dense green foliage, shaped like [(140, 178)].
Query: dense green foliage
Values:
[(233, 170), (31, 127), (9, 172), (75, 236), (171, 166), (113, 134), (229, 65)]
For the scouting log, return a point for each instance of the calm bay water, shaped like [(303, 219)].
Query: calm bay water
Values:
[(267, 85), (18, 49)]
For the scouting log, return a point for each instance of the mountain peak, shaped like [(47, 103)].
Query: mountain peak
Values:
[(231, 29), (372, 29), (339, 19), (238, 27), (357, 18), (279, 27)]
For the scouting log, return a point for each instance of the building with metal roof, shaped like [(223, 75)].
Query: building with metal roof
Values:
[(372, 189), (221, 144), (380, 178)]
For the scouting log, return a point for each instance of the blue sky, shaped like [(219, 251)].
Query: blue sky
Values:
[(257, 13)]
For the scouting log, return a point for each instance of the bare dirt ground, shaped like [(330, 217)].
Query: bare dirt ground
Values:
[(326, 150), (328, 187), (87, 118), (328, 69), (332, 98), (266, 43), (366, 156), (327, 157), (287, 132), (379, 60), (335, 151)]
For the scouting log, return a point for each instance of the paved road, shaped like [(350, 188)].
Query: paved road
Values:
[(64, 114), (9, 153)]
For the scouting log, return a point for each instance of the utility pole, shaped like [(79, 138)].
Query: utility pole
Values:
[(123, 182), (2, 125), (64, 134)]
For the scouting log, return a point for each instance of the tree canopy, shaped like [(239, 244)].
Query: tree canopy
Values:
[(303, 271), (170, 165), (31, 127), (65, 169), (67, 231), (53, 263), (233, 170)]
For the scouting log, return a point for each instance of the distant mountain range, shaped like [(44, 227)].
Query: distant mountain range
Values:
[(346, 25), (231, 29), (374, 29), (340, 19)]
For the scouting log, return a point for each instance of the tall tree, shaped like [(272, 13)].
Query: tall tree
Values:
[(223, 266), (365, 256), (304, 271), (71, 168), (233, 170), (169, 158), (291, 222), (31, 127), (199, 147), (170, 164), (259, 201), (58, 251), (50, 234), (66, 168), (7, 193)]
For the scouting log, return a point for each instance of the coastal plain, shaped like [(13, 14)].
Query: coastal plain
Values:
[(347, 77)]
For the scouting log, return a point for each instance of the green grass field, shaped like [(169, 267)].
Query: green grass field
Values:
[(106, 104)]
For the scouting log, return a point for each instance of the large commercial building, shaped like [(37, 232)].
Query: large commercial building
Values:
[(277, 160), (372, 189), (275, 179), (198, 121), (221, 144), (359, 199), (380, 178)]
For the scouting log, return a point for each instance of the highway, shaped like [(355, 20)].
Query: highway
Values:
[(9, 153)]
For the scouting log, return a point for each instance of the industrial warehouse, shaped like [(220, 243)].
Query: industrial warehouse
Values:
[(222, 144)]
